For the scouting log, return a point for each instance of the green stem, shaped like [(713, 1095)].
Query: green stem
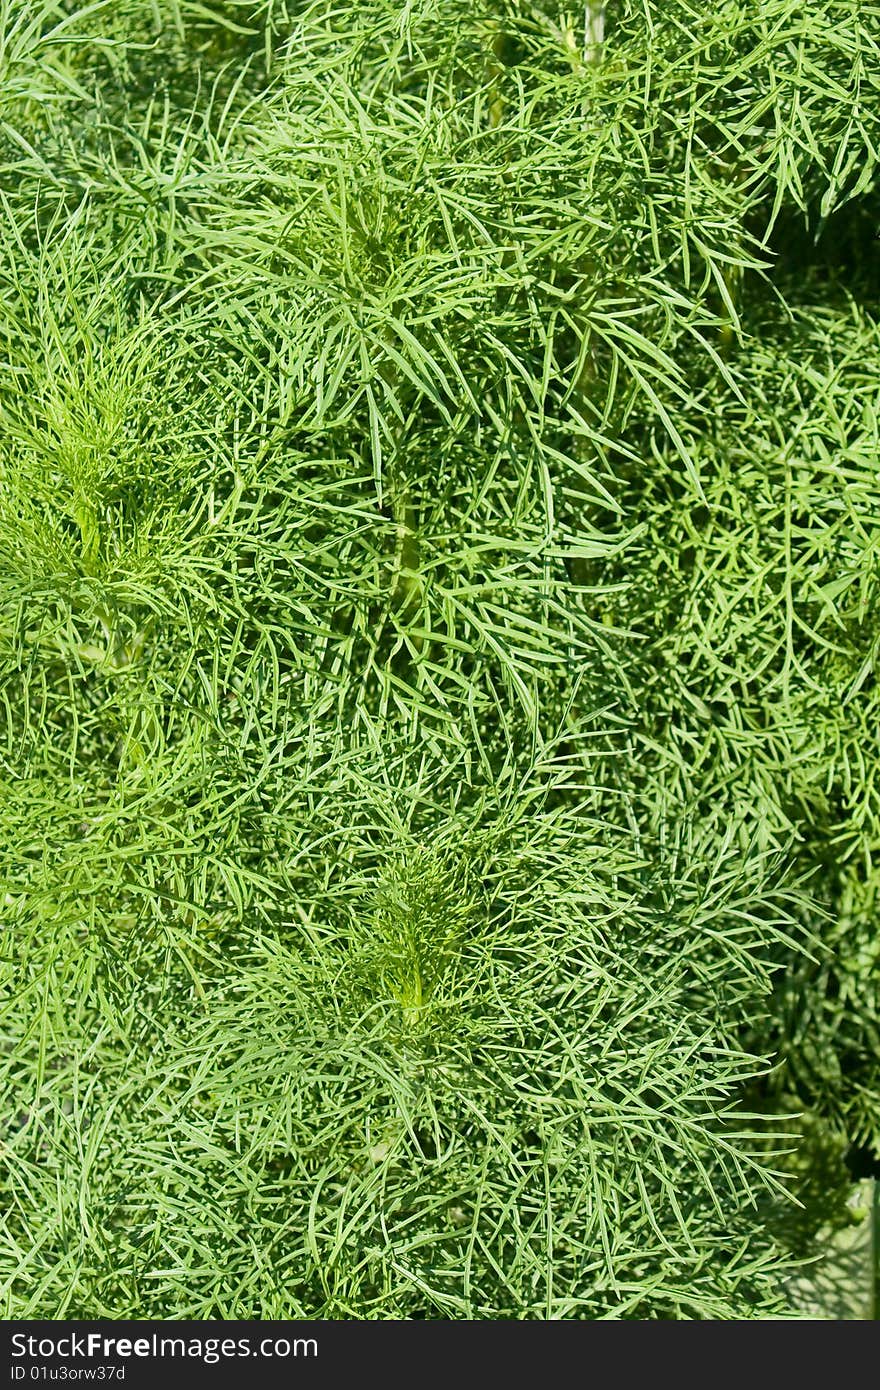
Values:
[(875, 1249), (594, 30)]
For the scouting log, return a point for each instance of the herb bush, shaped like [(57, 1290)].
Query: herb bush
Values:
[(438, 496)]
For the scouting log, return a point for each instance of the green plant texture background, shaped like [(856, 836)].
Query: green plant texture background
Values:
[(439, 584)]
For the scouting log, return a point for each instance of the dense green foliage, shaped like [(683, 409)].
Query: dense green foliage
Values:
[(439, 502)]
